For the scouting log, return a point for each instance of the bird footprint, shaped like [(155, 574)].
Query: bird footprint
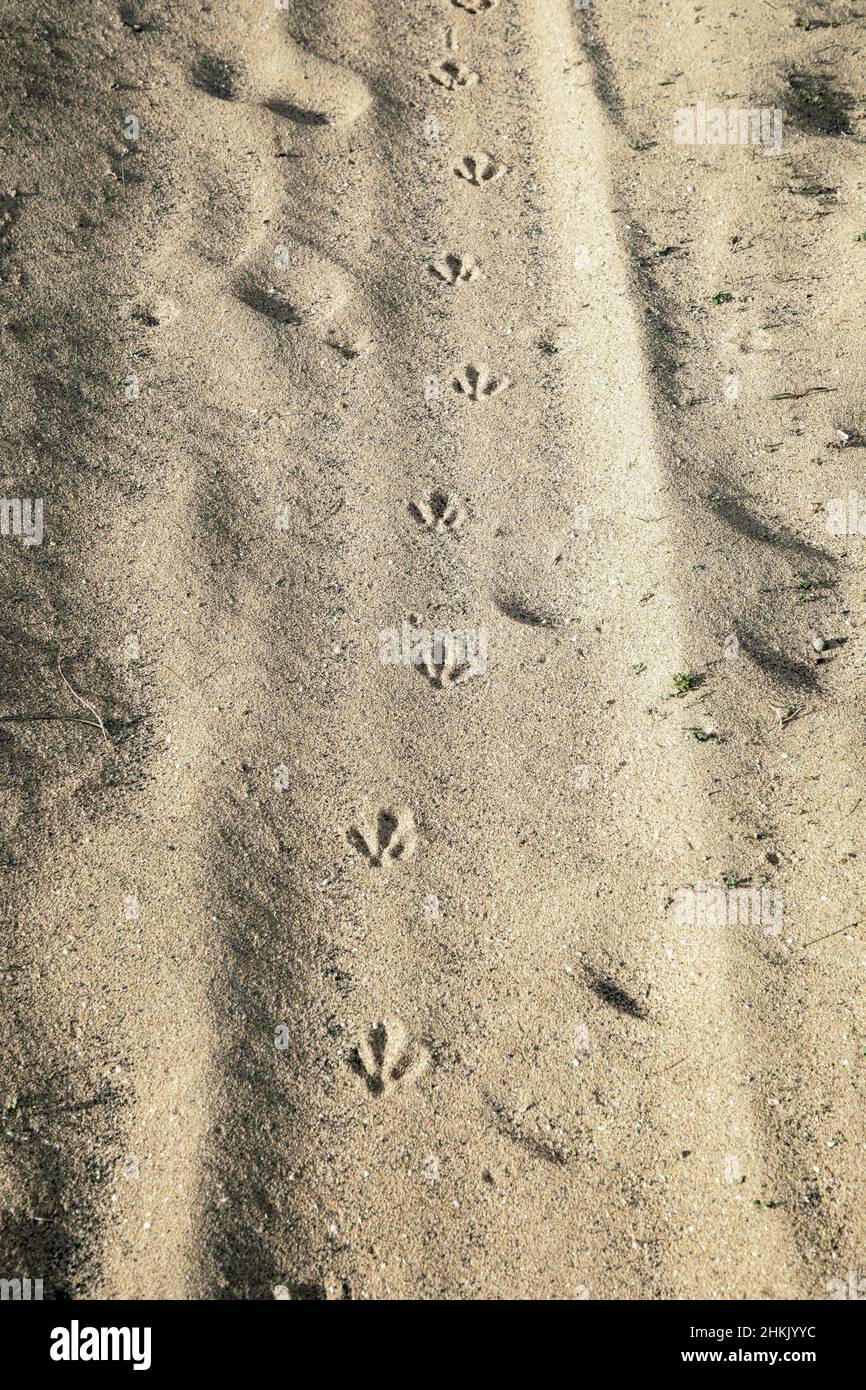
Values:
[(479, 169), (449, 664), (453, 75), (392, 838), (455, 269), (387, 1058), (477, 384), (442, 511)]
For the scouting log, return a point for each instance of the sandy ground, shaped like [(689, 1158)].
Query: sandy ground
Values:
[(336, 962)]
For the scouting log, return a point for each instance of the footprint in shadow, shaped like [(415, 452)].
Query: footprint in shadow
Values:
[(268, 300), (610, 992), (290, 81), (304, 288), (534, 612), (220, 77), (295, 83), (350, 345), (796, 675)]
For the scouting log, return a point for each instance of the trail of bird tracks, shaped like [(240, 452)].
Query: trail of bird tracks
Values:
[(431, 821)]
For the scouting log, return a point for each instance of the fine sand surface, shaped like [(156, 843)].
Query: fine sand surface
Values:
[(325, 976)]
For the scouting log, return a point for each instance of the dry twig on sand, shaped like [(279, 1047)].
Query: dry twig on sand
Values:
[(95, 723), (86, 704)]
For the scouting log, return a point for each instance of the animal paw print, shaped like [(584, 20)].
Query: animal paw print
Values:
[(456, 270), (475, 6), (479, 169), (453, 75), (476, 383), (392, 838), (441, 512), (387, 1058)]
